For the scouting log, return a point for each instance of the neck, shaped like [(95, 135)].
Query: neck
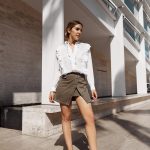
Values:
[(71, 41)]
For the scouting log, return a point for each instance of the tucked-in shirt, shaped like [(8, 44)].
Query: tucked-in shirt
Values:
[(69, 60)]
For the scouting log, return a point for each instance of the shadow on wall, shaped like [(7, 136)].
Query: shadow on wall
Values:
[(11, 117), (20, 67), (120, 88), (21, 50), (119, 84), (101, 66)]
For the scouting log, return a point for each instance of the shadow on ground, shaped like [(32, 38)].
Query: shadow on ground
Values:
[(79, 140), (138, 112), (136, 130)]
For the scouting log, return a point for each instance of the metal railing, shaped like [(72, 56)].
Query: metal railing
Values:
[(147, 49), (131, 31), (112, 8), (146, 22)]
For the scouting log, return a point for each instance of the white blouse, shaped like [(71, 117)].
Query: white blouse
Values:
[(69, 60)]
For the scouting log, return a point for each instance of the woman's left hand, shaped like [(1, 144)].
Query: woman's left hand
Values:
[(94, 95)]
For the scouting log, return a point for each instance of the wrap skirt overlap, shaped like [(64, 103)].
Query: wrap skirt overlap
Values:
[(72, 85)]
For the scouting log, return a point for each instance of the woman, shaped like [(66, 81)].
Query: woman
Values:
[(73, 72)]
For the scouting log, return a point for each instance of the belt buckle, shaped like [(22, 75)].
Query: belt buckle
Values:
[(64, 76)]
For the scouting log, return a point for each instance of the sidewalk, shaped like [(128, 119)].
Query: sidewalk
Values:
[(128, 130)]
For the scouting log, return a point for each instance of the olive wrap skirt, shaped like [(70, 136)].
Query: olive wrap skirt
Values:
[(70, 86)]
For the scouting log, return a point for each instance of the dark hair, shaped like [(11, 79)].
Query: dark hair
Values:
[(70, 25)]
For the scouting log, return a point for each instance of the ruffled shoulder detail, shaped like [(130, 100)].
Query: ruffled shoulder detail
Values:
[(85, 46), (59, 54), (59, 50)]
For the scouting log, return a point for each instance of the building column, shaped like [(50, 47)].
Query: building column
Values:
[(53, 35), (117, 60), (141, 70), (141, 18), (141, 65)]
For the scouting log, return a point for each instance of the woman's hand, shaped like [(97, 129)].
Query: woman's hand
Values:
[(51, 96), (94, 95)]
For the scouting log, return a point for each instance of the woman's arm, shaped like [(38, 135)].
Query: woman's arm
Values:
[(90, 74), (57, 74), (90, 77)]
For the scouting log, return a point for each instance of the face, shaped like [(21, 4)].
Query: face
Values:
[(75, 32)]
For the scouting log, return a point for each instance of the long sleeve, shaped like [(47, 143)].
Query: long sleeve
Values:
[(90, 74), (56, 75)]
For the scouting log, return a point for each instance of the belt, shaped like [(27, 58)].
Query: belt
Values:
[(77, 73)]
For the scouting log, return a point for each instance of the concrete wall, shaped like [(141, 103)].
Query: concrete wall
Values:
[(101, 65), (131, 86), (20, 50), (98, 11)]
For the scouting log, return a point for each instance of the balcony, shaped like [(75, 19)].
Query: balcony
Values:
[(147, 51), (112, 8), (126, 11), (146, 22), (133, 6), (131, 31), (146, 4)]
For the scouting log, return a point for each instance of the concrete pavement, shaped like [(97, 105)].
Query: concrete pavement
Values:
[(129, 130)]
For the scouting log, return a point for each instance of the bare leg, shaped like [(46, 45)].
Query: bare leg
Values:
[(87, 113), (66, 125)]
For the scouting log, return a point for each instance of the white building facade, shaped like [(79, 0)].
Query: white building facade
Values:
[(119, 33), (117, 30)]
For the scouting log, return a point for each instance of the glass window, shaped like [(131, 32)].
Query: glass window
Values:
[(146, 22), (147, 49), (110, 6), (131, 31), (132, 5)]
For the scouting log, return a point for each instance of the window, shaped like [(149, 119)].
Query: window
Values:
[(147, 48), (146, 22), (132, 5), (131, 31), (111, 7)]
